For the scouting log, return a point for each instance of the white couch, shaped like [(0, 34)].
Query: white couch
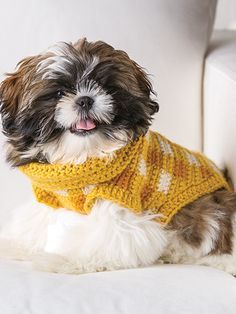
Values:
[(220, 101), (170, 39)]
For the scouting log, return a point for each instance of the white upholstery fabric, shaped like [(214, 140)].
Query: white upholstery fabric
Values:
[(165, 289), (220, 101)]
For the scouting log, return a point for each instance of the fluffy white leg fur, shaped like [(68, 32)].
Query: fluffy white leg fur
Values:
[(24, 233), (111, 237)]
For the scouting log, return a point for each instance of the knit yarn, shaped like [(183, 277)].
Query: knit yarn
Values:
[(150, 174)]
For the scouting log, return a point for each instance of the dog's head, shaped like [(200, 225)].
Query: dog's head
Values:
[(74, 101)]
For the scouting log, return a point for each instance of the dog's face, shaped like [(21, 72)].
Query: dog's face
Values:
[(73, 102)]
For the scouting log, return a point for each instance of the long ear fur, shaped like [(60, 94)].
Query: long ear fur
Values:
[(11, 92), (146, 87)]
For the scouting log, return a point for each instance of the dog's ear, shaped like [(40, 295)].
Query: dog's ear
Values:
[(146, 87), (11, 92), (154, 106)]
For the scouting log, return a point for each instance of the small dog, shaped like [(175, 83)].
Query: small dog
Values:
[(76, 118)]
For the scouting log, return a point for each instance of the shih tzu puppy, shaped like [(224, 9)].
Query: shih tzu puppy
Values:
[(110, 194)]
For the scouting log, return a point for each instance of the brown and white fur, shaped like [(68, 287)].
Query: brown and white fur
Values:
[(76, 101)]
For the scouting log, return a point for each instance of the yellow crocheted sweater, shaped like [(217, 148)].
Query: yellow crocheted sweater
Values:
[(151, 174)]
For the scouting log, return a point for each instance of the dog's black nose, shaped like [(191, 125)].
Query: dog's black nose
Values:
[(85, 102)]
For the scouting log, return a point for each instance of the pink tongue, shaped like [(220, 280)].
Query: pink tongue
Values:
[(86, 125)]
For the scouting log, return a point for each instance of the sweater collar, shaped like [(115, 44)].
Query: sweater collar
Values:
[(93, 171)]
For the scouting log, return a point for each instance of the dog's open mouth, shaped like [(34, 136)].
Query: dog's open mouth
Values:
[(83, 127)]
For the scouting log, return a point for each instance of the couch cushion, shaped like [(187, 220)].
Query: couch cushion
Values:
[(164, 289), (220, 101)]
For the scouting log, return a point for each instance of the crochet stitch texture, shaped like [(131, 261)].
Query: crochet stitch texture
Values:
[(151, 173)]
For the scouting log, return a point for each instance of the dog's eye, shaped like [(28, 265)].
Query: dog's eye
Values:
[(60, 93), (53, 95)]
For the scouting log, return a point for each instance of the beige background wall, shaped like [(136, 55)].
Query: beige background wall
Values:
[(226, 14)]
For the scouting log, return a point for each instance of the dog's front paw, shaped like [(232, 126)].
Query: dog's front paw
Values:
[(55, 263)]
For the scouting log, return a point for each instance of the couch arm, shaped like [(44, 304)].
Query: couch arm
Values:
[(219, 101)]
